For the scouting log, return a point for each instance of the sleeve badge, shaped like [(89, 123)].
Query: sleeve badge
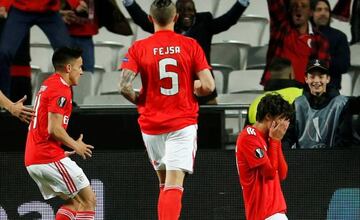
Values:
[(259, 153), (61, 102)]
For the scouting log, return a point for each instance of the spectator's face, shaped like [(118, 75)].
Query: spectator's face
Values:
[(76, 71), (186, 10), (300, 12), (321, 14), (317, 82)]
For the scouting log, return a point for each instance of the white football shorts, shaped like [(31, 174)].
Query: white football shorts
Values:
[(61, 177), (277, 216), (174, 150)]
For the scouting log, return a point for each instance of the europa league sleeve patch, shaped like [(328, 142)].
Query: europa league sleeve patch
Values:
[(259, 153), (61, 102)]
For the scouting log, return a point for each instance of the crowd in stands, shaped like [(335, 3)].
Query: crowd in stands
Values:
[(300, 35)]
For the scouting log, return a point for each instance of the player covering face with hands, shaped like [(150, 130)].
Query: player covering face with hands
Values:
[(47, 163), (260, 160)]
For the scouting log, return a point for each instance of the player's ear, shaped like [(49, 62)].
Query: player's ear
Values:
[(151, 19), (68, 68)]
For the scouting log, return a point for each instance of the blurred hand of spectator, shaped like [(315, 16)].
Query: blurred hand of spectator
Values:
[(68, 16), (3, 12), (82, 7)]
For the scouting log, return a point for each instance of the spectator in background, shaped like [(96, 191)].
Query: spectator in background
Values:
[(322, 116), (20, 71), (83, 26), (260, 160), (200, 26), (21, 16), (342, 10), (17, 109), (293, 37), (338, 42), (281, 82)]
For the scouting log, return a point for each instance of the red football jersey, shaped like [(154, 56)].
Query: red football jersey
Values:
[(54, 96), (168, 63), (262, 197)]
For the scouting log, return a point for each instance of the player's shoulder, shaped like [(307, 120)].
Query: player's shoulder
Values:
[(249, 131), (55, 84), (248, 134)]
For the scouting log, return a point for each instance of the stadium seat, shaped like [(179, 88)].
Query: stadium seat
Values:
[(243, 81), (257, 57), (39, 79), (110, 80), (230, 53), (41, 54), (255, 8), (35, 70), (344, 204), (219, 81), (37, 35), (108, 54), (356, 90), (84, 88), (106, 36), (225, 70), (346, 84), (106, 100), (249, 29), (206, 6), (354, 55)]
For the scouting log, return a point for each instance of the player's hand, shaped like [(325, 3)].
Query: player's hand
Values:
[(84, 150), (278, 129), (3, 12), (20, 111)]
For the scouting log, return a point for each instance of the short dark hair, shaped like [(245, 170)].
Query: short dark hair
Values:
[(162, 11), (273, 105), (65, 55)]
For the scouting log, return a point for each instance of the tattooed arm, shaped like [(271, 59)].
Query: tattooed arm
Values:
[(125, 86)]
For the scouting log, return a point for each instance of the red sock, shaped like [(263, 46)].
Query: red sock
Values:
[(85, 215), (65, 213), (171, 203), (160, 199)]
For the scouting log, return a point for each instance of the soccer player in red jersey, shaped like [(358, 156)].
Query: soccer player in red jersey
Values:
[(168, 63), (260, 160), (47, 163)]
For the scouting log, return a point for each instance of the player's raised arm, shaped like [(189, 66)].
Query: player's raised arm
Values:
[(57, 131), (125, 85), (205, 84)]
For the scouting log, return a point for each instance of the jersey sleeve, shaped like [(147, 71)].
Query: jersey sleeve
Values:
[(130, 60), (254, 152), (59, 101), (200, 62)]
